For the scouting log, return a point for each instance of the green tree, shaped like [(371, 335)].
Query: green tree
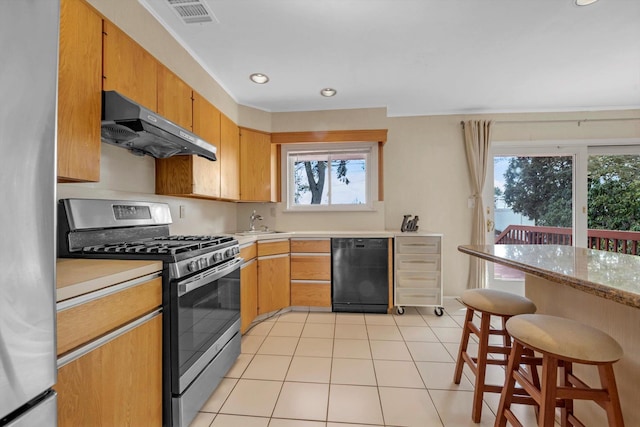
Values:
[(540, 188), (614, 192), (315, 173)]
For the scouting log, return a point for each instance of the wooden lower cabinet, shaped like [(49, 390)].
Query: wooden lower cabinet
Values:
[(310, 294), (311, 267), (105, 314), (117, 384), (311, 272), (248, 294), (274, 285)]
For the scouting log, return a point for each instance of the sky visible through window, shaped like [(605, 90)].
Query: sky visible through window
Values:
[(350, 189), (355, 192)]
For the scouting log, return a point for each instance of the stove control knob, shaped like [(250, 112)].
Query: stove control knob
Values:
[(217, 256), (203, 262), (192, 266), (229, 253)]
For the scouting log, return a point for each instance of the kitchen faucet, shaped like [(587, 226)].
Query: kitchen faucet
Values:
[(252, 218)]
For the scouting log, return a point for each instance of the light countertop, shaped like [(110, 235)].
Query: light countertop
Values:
[(608, 275), (244, 240), (80, 276)]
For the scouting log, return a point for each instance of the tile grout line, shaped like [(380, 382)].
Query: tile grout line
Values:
[(332, 356), (288, 368), (333, 347), (422, 379)]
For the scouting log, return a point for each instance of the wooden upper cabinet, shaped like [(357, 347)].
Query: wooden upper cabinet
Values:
[(255, 165), (276, 195), (206, 124), (128, 68), (174, 98), (79, 93), (193, 176), (228, 156)]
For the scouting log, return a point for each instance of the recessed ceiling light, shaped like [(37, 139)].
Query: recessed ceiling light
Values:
[(259, 78), (327, 91), (585, 2)]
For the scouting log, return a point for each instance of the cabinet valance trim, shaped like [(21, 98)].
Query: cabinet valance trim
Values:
[(366, 135)]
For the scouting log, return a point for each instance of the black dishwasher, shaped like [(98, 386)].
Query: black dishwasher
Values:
[(360, 275)]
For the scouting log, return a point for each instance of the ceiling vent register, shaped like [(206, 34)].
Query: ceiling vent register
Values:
[(192, 11)]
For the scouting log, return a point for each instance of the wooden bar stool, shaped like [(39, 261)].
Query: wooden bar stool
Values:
[(487, 302), (562, 342)]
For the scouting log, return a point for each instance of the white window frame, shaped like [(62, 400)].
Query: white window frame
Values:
[(288, 188)]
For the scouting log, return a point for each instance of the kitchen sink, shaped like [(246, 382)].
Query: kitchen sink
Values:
[(256, 232)]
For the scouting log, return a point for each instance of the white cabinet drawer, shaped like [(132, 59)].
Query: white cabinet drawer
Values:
[(418, 262), (418, 279), (418, 245), (417, 297)]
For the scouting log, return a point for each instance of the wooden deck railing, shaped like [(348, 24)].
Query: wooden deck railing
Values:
[(627, 242)]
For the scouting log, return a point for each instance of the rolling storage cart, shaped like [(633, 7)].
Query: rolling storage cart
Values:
[(418, 271)]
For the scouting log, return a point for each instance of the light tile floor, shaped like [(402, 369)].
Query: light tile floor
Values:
[(320, 369)]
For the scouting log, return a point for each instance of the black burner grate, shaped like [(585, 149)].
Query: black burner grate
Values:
[(161, 245)]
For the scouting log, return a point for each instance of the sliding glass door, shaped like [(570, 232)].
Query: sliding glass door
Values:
[(530, 202), (613, 199), (586, 196)]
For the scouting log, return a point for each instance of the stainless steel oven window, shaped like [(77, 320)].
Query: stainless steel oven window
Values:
[(201, 316)]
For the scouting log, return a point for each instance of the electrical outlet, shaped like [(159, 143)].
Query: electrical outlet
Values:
[(183, 211)]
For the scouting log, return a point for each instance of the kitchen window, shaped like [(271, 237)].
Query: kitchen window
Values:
[(330, 177)]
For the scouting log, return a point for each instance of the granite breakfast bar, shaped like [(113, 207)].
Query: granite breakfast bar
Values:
[(597, 288)]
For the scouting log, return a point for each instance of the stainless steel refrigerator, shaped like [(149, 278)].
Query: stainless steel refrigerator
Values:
[(28, 91)]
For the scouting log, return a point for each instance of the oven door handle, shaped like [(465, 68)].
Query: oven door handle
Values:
[(204, 278)]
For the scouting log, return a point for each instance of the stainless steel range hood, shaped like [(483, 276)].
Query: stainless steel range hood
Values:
[(141, 131)]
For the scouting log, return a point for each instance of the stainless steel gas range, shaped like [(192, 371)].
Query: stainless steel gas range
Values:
[(201, 290)]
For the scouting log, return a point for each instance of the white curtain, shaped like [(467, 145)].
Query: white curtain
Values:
[(477, 139)]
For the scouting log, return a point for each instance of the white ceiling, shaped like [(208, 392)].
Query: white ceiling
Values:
[(419, 57)]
